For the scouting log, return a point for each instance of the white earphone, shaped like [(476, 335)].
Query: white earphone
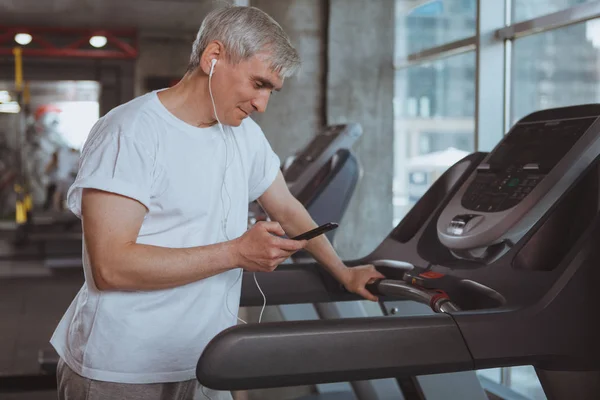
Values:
[(223, 185), (212, 66)]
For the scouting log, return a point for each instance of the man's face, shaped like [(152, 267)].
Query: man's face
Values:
[(243, 88)]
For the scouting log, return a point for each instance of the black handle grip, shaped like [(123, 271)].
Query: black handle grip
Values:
[(374, 287)]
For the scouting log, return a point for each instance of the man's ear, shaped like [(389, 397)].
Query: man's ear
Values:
[(214, 51)]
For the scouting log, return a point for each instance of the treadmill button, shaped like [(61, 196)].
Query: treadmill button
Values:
[(531, 167), (431, 275), (513, 182), (463, 223)]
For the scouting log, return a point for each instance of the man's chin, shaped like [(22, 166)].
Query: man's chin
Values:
[(236, 122)]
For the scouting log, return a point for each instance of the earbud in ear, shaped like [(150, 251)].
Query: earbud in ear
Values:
[(212, 66)]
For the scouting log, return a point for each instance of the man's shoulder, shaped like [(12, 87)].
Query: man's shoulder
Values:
[(131, 119), (129, 114)]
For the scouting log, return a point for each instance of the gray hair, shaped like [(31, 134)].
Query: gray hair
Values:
[(245, 32)]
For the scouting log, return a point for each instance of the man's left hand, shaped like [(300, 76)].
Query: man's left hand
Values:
[(357, 278)]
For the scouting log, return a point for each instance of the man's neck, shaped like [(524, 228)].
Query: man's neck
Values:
[(189, 100)]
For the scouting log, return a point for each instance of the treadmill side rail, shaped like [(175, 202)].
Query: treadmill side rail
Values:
[(307, 283), (292, 284), (309, 352)]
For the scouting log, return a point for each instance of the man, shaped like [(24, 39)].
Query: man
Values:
[(163, 192)]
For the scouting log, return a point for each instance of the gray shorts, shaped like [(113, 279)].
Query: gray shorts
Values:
[(75, 387)]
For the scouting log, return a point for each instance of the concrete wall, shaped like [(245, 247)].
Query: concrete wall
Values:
[(161, 57), (360, 88), (296, 113)]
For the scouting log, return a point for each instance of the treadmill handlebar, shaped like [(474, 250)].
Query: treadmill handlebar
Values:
[(278, 354), (438, 300), (308, 283)]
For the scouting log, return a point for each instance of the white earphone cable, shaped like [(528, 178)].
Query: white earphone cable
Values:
[(224, 186)]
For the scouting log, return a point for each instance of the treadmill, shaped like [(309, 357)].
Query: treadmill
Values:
[(503, 248)]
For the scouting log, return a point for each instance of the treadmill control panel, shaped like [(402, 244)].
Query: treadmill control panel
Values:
[(520, 163), (314, 149)]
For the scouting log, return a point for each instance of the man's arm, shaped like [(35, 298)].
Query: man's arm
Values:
[(284, 208), (111, 224)]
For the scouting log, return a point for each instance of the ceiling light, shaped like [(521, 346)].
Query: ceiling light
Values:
[(98, 41), (23, 38)]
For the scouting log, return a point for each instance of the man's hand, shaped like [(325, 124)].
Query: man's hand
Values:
[(357, 278), (261, 249)]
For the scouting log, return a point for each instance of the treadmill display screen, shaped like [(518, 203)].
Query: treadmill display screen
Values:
[(311, 152), (520, 162)]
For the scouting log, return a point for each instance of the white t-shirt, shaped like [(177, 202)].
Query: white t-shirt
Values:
[(142, 151)]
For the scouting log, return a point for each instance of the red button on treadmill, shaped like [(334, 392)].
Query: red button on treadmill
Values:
[(431, 275)]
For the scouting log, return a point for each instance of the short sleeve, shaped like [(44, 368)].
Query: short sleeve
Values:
[(265, 166), (115, 163)]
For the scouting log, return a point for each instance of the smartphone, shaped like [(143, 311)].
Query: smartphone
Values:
[(316, 232)]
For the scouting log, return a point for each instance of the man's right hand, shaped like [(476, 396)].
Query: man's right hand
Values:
[(261, 249)]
